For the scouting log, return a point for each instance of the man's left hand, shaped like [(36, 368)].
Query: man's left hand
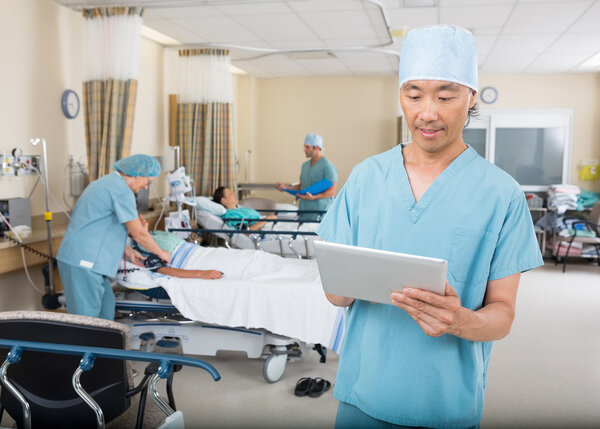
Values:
[(307, 196), (436, 314)]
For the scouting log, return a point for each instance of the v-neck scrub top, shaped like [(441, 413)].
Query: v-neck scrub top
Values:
[(309, 175), (475, 216), (96, 235)]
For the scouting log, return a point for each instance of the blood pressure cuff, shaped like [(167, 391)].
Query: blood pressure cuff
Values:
[(153, 262)]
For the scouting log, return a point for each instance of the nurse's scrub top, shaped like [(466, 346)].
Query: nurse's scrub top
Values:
[(322, 169), (475, 216), (96, 235)]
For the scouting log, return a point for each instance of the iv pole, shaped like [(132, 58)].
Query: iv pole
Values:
[(48, 217)]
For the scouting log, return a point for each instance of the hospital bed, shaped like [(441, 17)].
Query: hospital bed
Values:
[(265, 317), (286, 237)]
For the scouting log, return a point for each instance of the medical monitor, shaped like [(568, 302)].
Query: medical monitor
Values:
[(372, 275)]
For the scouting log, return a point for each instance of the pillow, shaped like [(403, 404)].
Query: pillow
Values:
[(208, 205)]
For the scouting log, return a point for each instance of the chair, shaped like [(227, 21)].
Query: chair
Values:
[(45, 379), (590, 225)]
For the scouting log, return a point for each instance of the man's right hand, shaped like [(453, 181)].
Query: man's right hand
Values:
[(279, 186)]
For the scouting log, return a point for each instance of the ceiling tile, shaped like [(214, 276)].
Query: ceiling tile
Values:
[(476, 16), (412, 18), (219, 29), (298, 44), (484, 44), (254, 8), (532, 18), (557, 63), (520, 44), (590, 21), (576, 42), (507, 63), (186, 12), (348, 24), (453, 3), (174, 31), (327, 66), (329, 5), (279, 27)]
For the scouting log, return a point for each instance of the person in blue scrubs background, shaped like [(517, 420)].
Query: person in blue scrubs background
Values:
[(313, 171), (422, 361), (96, 237)]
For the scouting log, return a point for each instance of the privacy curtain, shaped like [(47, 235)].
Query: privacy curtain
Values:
[(204, 119), (112, 56)]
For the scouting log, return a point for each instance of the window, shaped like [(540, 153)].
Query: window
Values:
[(533, 146)]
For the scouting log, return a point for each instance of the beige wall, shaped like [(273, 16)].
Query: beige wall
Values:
[(580, 92), (356, 117), (42, 56)]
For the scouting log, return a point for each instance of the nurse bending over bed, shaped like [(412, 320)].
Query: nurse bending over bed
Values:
[(96, 236)]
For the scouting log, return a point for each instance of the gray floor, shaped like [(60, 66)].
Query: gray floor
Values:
[(545, 374)]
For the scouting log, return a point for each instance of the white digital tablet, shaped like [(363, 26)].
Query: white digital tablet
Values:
[(372, 275)]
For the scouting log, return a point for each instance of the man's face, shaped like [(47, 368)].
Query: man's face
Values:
[(310, 151), (436, 112), (139, 182), (229, 199)]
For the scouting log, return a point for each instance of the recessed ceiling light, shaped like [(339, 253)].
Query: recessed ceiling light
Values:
[(420, 3), (160, 38), (592, 62)]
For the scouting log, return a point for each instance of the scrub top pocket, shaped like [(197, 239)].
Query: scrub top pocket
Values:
[(471, 254)]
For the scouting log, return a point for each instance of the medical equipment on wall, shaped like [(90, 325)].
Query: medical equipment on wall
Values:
[(14, 163), (17, 211), (179, 185), (79, 178), (589, 169)]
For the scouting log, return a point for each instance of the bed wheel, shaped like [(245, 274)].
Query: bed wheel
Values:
[(274, 367)]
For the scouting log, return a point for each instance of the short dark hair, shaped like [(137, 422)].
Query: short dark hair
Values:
[(219, 194), (472, 113)]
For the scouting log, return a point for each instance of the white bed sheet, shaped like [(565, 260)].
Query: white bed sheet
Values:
[(258, 290)]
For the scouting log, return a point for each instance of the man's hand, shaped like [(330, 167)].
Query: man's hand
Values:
[(280, 186), (436, 315), (307, 196), (134, 256)]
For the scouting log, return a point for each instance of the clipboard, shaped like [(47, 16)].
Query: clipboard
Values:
[(313, 189)]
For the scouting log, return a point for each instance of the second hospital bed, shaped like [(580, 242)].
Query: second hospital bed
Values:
[(264, 305)]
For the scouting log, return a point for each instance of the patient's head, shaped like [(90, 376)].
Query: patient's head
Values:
[(226, 197)]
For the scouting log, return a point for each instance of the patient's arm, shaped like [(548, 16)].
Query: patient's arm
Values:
[(258, 225), (190, 274)]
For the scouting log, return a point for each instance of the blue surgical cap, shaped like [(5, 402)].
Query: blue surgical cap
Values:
[(138, 165), (444, 52), (314, 140)]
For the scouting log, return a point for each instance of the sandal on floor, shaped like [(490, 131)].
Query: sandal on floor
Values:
[(317, 387), (303, 386)]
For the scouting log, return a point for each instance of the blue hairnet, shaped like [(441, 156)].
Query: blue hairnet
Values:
[(138, 165), (314, 140), (444, 52)]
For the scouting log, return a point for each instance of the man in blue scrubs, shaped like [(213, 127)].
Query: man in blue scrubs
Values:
[(95, 239), (314, 170), (422, 361)]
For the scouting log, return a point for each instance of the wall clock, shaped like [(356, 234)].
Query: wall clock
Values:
[(70, 103), (489, 95)]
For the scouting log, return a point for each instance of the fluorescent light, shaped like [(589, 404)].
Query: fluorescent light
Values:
[(592, 62), (158, 37), (237, 70)]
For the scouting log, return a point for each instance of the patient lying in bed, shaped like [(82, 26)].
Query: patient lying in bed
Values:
[(226, 197), (257, 290)]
